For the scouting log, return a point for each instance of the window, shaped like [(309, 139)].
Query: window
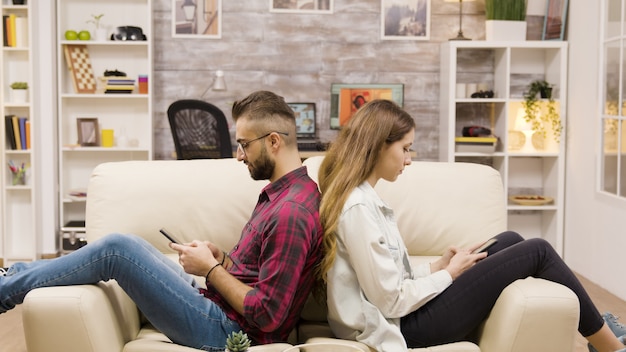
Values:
[(613, 108)]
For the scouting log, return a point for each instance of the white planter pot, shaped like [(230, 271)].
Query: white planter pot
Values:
[(19, 95), (505, 30), (101, 35)]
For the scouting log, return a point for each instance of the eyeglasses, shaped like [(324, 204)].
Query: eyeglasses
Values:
[(243, 145)]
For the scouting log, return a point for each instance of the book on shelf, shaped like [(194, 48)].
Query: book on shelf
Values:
[(17, 132), (476, 144), (15, 31)]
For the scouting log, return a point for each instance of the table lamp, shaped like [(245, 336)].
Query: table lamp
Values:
[(527, 129), (460, 34)]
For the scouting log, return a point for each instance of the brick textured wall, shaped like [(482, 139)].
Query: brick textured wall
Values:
[(299, 55)]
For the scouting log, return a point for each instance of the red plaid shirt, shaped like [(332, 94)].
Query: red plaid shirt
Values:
[(276, 256)]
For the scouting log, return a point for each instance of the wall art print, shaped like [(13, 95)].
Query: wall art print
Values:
[(405, 19), (201, 19)]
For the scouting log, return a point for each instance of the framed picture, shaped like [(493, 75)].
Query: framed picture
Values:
[(197, 19), (554, 22), (346, 99), (301, 6), (405, 19), (88, 131)]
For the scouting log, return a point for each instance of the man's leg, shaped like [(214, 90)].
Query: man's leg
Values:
[(164, 294)]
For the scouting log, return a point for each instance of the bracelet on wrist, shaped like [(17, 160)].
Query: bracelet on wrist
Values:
[(211, 270), (223, 258)]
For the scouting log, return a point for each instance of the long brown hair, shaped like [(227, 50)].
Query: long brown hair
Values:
[(351, 159)]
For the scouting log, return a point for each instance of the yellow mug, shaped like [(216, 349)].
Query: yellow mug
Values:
[(107, 138)]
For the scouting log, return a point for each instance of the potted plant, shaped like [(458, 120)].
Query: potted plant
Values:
[(536, 115), (237, 342), (101, 33), (19, 92), (505, 20)]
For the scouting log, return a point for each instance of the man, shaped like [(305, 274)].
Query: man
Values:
[(259, 287)]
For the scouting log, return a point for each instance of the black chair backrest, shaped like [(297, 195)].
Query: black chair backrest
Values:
[(199, 129)]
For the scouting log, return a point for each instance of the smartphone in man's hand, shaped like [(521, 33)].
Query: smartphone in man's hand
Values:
[(170, 237)]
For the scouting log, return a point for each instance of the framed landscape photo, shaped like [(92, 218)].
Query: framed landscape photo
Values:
[(554, 22), (405, 19), (88, 131), (200, 19), (301, 6)]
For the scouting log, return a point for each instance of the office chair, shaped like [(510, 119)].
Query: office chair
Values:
[(199, 129)]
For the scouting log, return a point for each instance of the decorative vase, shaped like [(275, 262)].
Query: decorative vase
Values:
[(505, 30), (19, 95), (101, 34)]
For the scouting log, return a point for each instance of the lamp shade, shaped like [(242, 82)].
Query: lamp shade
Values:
[(219, 83)]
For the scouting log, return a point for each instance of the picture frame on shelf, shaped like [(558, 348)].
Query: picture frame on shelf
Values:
[(405, 19), (200, 19), (345, 99), (88, 131), (555, 20), (301, 6)]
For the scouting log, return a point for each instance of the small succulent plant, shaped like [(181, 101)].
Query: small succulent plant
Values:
[(237, 342)]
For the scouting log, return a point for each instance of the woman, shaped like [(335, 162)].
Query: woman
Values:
[(374, 296)]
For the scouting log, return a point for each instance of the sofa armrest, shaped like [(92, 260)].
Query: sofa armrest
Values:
[(532, 315), (85, 318)]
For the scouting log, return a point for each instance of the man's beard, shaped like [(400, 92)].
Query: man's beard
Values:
[(263, 167)]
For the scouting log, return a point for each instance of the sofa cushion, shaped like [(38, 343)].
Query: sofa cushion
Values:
[(439, 204)]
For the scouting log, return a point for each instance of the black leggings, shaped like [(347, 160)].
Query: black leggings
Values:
[(461, 308)]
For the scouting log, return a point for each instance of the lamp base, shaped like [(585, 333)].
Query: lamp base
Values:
[(460, 37)]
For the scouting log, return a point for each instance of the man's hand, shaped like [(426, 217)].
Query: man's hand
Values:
[(197, 257)]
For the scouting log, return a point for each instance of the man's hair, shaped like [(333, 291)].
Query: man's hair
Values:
[(268, 112)]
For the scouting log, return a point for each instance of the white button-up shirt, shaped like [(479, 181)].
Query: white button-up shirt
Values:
[(371, 284)]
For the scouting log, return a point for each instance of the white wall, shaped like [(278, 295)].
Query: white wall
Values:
[(595, 225)]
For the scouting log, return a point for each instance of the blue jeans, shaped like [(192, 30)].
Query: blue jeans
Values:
[(165, 294)]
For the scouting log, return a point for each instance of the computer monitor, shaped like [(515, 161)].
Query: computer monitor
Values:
[(305, 119), (345, 99)]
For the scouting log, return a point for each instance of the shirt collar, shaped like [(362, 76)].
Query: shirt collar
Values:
[(273, 189)]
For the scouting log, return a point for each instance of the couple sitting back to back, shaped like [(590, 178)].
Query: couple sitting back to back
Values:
[(300, 239)]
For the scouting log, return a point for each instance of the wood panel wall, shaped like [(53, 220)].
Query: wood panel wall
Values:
[(299, 55)]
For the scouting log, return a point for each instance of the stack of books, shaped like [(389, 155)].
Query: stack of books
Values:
[(476, 144), (117, 84), (17, 132)]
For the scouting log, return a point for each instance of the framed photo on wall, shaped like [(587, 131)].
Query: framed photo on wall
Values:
[(405, 19), (554, 22), (301, 6), (200, 19), (88, 131)]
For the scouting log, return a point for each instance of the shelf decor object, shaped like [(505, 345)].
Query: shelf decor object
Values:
[(506, 20), (460, 35), (79, 63), (539, 114)]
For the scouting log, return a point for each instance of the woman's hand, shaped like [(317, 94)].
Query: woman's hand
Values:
[(444, 261), (461, 261)]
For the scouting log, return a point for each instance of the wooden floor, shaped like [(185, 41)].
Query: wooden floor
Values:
[(12, 335)]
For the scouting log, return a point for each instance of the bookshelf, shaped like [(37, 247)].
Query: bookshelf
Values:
[(128, 115), (19, 173), (528, 163)]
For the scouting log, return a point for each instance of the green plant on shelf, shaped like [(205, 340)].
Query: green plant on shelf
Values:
[(95, 19), (533, 113), (19, 85), (505, 10)]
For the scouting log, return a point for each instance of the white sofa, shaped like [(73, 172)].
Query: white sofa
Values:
[(437, 204)]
